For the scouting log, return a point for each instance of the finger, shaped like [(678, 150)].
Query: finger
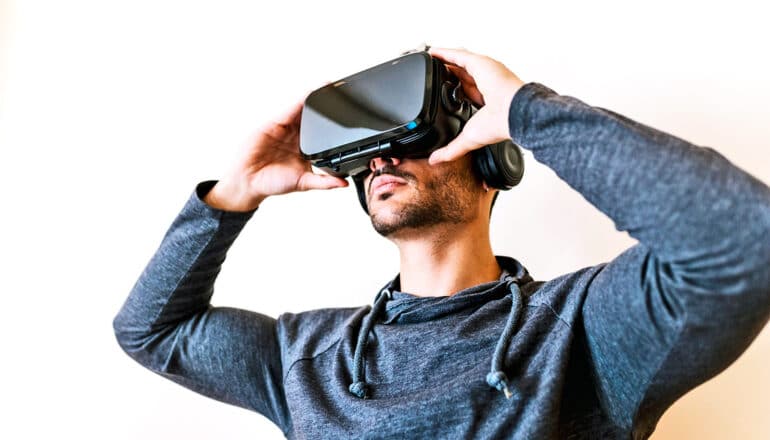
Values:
[(461, 73), (455, 149), (469, 85), (310, 180), (458, 57)]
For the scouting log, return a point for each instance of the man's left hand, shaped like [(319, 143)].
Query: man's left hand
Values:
[(491, 86)]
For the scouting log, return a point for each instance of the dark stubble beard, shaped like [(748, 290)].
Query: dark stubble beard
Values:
[(447, 198)]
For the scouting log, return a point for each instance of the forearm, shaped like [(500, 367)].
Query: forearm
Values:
[(673, 311), (688, 204), (179, 280)]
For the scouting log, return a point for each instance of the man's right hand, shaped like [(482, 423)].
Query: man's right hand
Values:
[(270, 165)]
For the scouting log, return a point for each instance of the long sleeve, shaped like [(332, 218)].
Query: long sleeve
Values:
[(681, 305), (168, 325)]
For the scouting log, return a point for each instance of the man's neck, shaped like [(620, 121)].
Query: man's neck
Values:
[(446, 259)]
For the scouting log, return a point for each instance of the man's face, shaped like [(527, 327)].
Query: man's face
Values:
[(406, 195)]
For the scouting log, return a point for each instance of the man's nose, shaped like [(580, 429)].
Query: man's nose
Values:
[(379, 162)]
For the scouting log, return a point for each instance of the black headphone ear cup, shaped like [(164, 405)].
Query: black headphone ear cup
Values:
[(501, 165)]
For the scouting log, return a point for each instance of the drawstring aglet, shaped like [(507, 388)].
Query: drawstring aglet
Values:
[(498, 381)]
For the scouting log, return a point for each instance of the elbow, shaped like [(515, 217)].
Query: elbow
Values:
[(149, 347), (761, 278), (120, 328), (128, 338), (133, 338), (747, 269)]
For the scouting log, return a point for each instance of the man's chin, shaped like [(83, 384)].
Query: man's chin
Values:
[(386, 216), (383, 212)]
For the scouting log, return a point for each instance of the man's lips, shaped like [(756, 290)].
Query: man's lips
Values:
[(385, 182)]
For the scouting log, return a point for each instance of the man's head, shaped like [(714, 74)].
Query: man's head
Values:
[(406, 196)]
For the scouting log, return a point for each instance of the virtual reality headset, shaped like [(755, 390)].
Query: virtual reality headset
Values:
[(406, 108)]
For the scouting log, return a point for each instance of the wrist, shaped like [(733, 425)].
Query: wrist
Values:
[(226, 196), (511, 90)]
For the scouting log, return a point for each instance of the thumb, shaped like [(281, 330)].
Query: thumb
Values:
[(310, 180), (458, 147)]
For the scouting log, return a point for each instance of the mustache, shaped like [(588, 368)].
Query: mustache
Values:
[(393, 171)]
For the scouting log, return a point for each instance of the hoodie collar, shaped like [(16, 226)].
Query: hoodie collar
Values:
[(405, 308), (416, 309)]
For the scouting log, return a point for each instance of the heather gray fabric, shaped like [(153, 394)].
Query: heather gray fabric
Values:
[(597, 353)]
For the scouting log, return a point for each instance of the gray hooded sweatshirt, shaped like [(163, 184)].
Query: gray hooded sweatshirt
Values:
[(597, 353)]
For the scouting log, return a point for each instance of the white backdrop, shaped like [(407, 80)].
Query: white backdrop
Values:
[(111, 112)]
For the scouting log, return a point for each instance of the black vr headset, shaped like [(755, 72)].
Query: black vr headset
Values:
[(404, 108)]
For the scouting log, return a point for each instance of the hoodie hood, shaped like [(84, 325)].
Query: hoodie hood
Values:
[(391, 306)]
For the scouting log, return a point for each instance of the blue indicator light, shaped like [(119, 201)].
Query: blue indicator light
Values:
[(411, 125)]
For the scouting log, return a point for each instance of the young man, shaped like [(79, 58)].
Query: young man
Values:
[(463, 344)]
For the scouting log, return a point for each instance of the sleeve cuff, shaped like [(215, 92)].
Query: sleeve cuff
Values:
[(517, 113), (196, 204)]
